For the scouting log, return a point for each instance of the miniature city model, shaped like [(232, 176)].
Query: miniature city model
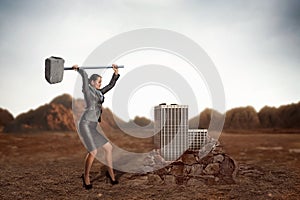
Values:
[(172, 135)]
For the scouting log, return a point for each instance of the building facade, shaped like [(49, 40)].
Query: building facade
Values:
[(171, 130), (197, 138)]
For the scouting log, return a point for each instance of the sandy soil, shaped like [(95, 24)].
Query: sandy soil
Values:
[(49, 166)]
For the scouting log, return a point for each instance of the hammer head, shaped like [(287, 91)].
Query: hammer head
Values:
[(54, 69)]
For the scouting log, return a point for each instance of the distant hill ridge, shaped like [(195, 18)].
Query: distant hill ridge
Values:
[(55, 116), (246, 118), (58, 116), (5, 118)]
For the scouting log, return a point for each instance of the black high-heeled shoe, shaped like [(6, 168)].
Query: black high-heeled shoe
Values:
[(113, 182), (86, 186)]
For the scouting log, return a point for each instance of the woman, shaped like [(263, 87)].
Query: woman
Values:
[(92, 139)]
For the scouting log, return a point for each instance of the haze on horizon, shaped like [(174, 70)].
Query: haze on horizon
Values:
[(255, 46)]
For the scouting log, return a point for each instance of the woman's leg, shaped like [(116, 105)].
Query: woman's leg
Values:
[(108, 156), (88, 162)]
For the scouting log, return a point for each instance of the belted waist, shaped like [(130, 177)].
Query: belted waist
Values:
[(92, 107)]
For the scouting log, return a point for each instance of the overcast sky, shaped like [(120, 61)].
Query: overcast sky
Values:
[(254, 44)]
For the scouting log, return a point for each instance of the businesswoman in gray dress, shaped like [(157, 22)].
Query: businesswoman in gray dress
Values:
[(92, 139)]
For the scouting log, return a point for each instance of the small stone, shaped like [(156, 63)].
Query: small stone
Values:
[(147, 169), (158, 160), (188, 159), (212, 168), (126, 176), (194, 181), (163, 171), (170, 180), (270, 194), (227, 166), (141, 180), (208, 147), (99, 195), (207, 179), (148, 161), (197, 169), (187, 169), (218, 158), (154, 179), (181, 180), (210, 180), (177, 170), (217, 150)]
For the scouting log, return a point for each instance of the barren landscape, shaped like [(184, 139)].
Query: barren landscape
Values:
[(199, 99), (41, 155), (49, 165)]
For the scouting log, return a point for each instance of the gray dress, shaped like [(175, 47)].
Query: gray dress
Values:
[(94, 98)]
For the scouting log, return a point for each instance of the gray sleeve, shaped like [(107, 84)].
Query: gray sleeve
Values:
[(85, 80)]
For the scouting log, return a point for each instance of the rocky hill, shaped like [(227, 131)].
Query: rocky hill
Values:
[(138, 121), (242, 118), (287, 116), (247, 118), (203, 120), (57, 116), (5, 118)]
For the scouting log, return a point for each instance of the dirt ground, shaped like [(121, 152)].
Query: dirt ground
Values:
[(49, 166)]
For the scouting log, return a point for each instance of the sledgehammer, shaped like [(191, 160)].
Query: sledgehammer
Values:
[(54, 69)]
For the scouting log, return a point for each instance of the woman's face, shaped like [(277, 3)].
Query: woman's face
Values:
[(97, 83)]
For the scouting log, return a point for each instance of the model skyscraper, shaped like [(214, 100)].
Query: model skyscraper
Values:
[(172, 135), (171, 128)]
